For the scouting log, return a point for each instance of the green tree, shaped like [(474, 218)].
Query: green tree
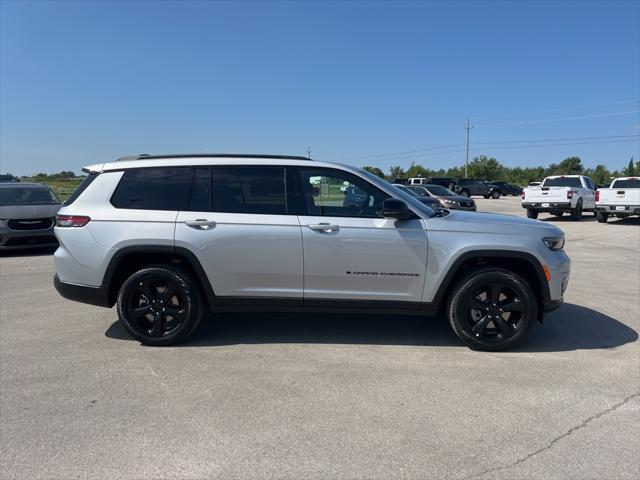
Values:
[(375, 170), (630, 171), (599, 175), (571, 166), (396, 172), (486, 168)]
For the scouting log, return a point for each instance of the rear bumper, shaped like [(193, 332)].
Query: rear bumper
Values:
[(548, 206), (628, 209), (82, 293)]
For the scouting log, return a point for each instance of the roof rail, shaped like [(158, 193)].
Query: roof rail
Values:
[(146, 156)]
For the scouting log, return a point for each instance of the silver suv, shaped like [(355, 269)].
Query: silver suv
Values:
[(168, 237)]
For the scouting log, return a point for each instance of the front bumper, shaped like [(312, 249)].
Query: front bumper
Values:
[(82, 293), (18, 239)]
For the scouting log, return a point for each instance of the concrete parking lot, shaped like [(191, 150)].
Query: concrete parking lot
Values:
[(319, 396)]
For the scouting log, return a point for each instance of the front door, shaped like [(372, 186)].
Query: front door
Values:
[(350, 251), (244, 232)]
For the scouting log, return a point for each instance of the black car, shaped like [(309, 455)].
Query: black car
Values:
[(429, 201), (507, 188), (472, 186)]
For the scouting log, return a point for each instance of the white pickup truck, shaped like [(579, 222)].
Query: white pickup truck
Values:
[(621, 199), (559, 194)]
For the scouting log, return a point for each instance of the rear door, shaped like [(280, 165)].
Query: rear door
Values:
[(244, 231), (350, 251)]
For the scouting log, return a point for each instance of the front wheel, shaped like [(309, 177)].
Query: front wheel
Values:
[(465, 193), (532, 213), (602, 217), (495, 194), (492, 309), (159, 305)]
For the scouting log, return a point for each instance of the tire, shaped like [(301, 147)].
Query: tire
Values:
[(495, 194), (602, 217), (465, 193), (532, 213), (145, 310), (576, 213), (484, 320), (485, 196)]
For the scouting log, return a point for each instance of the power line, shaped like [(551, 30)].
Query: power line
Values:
[(564, 109), (558, 139), (560, 144), (550, 120), (398, 153)]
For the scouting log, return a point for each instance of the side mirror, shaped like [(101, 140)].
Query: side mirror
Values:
[(394, 208)]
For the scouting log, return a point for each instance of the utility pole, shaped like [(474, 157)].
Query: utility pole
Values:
[(468, 128), (309, 153)]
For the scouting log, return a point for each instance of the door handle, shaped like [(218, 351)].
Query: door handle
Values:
[(201, 224), (324, 227)]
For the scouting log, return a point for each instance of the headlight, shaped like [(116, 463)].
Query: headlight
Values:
[(449, 202), (554, 243)]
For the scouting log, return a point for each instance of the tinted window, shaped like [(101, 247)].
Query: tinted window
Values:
[(440, 191), (81, 188), (573, 182), (200, 200), (629, 183), (153, 189), (249, 189), (27, 196), (334, 193)]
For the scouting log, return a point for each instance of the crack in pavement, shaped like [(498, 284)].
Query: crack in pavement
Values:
[(557, 439)]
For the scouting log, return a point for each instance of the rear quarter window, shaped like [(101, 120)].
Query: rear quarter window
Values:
[(165, 188), (81, 188)]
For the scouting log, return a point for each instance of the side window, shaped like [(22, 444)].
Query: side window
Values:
[(200, 200), (334, 193), (153, 189), (249, 189)]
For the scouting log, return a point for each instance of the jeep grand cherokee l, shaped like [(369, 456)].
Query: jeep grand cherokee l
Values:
[(167, 237)]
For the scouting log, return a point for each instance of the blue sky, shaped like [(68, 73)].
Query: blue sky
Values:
[(85, 82)]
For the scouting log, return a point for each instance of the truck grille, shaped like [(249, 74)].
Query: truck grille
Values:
[(30, 224)]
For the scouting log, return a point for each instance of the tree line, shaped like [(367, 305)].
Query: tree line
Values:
[(488, 168)]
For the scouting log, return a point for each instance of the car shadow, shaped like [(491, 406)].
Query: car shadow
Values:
[(586, 217), (571, 327), (28, 252), (624, 221)]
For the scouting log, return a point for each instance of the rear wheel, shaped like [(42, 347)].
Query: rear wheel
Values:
[(492, 309), (532, 213), (576, 213), (602, 217), (495, 194), (159, 305)]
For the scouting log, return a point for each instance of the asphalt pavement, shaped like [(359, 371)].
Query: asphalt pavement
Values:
[(327, 396)]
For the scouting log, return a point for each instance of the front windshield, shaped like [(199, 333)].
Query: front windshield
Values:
[(439, 191), (27, 196), (399, 194)]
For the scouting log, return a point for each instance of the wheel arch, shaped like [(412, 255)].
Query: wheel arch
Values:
[(523, 264), (130, 259)]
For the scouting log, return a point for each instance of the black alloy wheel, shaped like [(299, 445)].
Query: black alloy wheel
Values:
[(159, 305), (492, 309), (495, 194)]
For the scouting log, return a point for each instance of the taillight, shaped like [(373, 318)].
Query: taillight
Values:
[(569, 194), (522, 194), (71, 220), (597, 195)]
